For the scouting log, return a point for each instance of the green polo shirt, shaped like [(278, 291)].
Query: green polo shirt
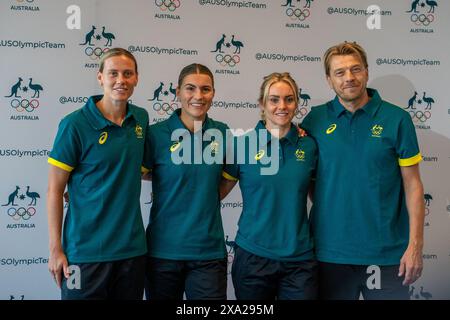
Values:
[(103, 221), (185, 221), (274, 222), (359, 214)]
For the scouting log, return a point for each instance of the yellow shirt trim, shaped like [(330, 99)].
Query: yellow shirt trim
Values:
[(145, 170), (410, 161), (59, 164), (228, 177)]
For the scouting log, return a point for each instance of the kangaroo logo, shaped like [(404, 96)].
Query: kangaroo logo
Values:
[(427, 16), (232, 58), (12, 197), (230, 253), (91, 39), (297, 13), (420, 108), (29, 103), (15, 88), (166, 104), (422, 294), (22, 210)]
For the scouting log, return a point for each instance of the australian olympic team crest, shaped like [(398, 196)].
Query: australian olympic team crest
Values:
[(20, 207), (422, 15), (96, 42), (227, 53), (24, 95), (419, 108), (164, 101), (167, 9), (298, 12), (303, 101)]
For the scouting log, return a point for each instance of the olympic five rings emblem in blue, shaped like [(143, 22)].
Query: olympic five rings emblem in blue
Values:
[(170, 5), (226, 59), (300, 112), (95, 53), (165, 108), (21, 212), (24, 104), (421, 116), (298, 14), (422, 19)]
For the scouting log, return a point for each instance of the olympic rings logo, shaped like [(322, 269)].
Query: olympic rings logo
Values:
[(21, 212), (228, 59), (29, 1), (300, 113), (24, 104), (298, 14), (165, 108), (420, 116), (427, 211), (422, 19), (170, 5), (95, 53)]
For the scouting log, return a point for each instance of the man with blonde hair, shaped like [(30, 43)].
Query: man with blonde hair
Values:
[(368, 209)]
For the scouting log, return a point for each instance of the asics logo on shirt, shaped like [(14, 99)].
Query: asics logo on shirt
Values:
[(259, 155), (331, 128), (103, 137), (175, 146)]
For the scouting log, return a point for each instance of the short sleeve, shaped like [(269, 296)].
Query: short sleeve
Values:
[(407, 147), (66, 149)]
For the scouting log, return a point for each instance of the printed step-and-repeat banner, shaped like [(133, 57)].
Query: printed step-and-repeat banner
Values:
[(50, 52)]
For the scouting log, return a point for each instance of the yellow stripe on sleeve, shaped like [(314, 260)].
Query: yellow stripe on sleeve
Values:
[(228, 177), (60, 165), (410, 161), (144, 170)]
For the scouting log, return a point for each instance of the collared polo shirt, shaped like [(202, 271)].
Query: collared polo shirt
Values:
[(359, 214), (103, 220), (185, 221), (274, 222)]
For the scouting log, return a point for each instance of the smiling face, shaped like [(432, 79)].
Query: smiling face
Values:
[(118, 79), (348, 78), (196, 94), (279, 107)]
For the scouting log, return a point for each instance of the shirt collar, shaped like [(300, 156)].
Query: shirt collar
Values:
[(96, 118), (370, 108), (175, 122), (291, 136)]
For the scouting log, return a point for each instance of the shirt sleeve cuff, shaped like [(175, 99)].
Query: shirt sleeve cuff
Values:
[(410, 161)]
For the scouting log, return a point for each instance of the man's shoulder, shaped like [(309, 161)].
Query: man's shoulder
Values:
[(393, 110)]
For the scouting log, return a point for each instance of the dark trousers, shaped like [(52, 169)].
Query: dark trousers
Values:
[(258, 278), (347, 282), (115, 280), (199, 279)]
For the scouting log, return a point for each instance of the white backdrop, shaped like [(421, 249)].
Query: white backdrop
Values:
[(48, 70)]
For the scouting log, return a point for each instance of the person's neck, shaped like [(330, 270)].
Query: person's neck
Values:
[(191, 123), (114, 112), (354, 105), (278, 131)]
